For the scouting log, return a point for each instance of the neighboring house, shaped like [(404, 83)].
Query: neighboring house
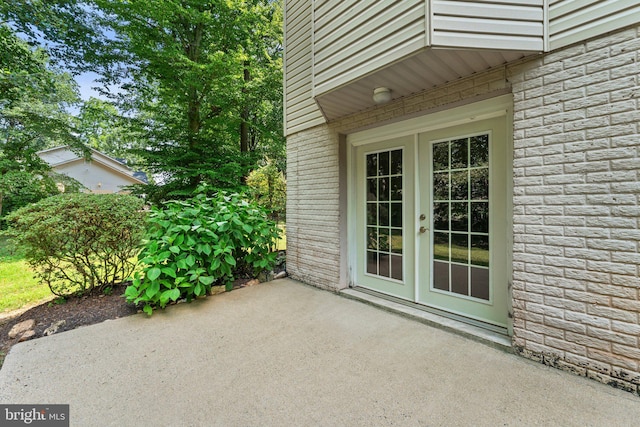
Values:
[(102, 174), (475, 159)]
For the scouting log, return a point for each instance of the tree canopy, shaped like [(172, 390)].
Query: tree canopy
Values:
[(197, 83), (33, 101)]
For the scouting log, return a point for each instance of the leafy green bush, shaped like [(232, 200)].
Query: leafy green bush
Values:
[(194, 244), (80, 242)]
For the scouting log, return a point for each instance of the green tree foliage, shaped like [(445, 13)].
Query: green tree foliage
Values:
[(200, 81), (100, 126), (73, 35), (80, 242), (199, 242), (33, 99), (268, 187)]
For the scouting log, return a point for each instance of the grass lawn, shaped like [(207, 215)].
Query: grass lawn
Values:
[(18, 288), (281, 245)]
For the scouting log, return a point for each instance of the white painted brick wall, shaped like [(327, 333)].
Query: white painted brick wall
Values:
[(576, 298), (313, 234)]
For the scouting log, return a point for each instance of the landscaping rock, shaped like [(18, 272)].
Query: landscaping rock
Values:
[(265, 276), (27, 335), (252, 282), (54, 327), (215, 290), (280, 275), (21, 328)]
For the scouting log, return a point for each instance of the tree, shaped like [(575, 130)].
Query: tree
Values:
[(269, 188), (200, 76), (73, 36), (101, 126), (33, 98), (200, 81)]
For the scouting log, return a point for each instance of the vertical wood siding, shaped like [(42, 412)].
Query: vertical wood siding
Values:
[(487, 24), (571, 21), (353, 38), (301, 111)]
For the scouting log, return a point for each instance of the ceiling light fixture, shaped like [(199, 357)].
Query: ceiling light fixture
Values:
[(381, 95)]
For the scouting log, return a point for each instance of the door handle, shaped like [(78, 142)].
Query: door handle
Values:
[(423, 230)]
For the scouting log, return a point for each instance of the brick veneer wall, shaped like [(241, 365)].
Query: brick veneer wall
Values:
[(313, 207), (576, 264), (577, 208)]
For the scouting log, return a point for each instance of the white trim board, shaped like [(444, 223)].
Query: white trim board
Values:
[(481, 110)]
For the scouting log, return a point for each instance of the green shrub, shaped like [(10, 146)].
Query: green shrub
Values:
[(20, 188), (194, 244), (80, 242)]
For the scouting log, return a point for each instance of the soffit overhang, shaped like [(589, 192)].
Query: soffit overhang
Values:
[(430, 68)]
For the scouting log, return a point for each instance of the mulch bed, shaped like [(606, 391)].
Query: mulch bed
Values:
[(78, 311), (75, 312)]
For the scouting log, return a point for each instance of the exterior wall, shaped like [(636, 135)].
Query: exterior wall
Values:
[(333, 46), (352, 39), (300, 110), (101, 175), (488, 24), (572, 21), (314, 211), (313, 207), (96, 178), (576, 201), (576, 207)]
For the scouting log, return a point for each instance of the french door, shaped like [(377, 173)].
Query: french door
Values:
[(431, 219), (385, 205)]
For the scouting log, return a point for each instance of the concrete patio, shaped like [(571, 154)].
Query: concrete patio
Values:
[(284, 354)]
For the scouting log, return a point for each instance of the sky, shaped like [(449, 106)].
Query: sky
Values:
[(85, 83)]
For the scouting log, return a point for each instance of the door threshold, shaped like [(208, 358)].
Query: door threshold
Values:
[(490, 335)]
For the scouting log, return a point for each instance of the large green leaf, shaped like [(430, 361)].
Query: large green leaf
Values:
[(153, 289), (153, 273), (198, 290), (206, 280), (191, 260), (175, 294), (169, 271)]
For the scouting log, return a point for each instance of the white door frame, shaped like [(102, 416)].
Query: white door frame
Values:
[(486, 109)]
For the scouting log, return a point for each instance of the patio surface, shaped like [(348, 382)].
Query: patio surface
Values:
[(286, 354)]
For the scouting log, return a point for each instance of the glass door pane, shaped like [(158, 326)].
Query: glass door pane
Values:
[(460, 216), (384, 206)]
